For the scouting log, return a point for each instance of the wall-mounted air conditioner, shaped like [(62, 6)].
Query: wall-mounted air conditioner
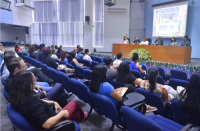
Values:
[(116, 9), (26, 7)]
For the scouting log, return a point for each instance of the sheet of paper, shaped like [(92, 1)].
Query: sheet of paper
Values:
[(124, 90)]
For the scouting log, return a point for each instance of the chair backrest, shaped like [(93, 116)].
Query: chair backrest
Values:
[(58, 55), (88, 73), (19, 53), (65, 80), (61, 63), (57, 60), (161, 72), (137, 121), (153, 99), (99, 60), (178, 74), (177, 82), (69, 66), (160, 80), (92, 57), (136, 73), (37, 64), (104, 106), (80, 89), (79, 60), (19, 120), (149, 40), (180, 117), (86, 63), (80, 72), (118, 84), (127, 61), (94, 63), (53, 74), (44, 69), (5, 94)]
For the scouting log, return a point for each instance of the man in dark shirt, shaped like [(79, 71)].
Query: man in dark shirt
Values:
[(39, 52), (111, 71), (158, 41), (56, 93), (136, 41), (186, 42)]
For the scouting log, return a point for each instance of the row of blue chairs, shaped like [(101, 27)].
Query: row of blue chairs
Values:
[(8, 43)]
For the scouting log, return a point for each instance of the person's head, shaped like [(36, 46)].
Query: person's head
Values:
[(60, 46), (135, 57), (173, 39), (123, 70), (144, 39), (1, 46), (9, 51), (16, 38), (191, 95), (27, 46), (86, 51), (15, 65), (41, 47), (81, 50), (72, 55), (22, 86), (119, 55), (49, 47), (8, 56), (124, 37), (78, 46), (63, 55), (108, 61), (158, 38), (152, 77), (136, 38), (17, 46), (56, 47), (75, 50), (46, 53), (31, 49), (98, 76), (52, 47), (53, 51), (36, 47), (185, 38)]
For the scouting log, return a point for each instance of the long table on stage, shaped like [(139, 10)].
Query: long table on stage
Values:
[(170, 54)]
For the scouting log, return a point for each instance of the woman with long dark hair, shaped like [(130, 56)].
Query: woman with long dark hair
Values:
[(190, 95), (63, 57), (173, 42), (31, 52), (38, 112), (17, 48), (135, 64), (71, 59), (125, 40)]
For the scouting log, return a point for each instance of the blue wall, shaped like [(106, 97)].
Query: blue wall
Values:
[(193, 24)]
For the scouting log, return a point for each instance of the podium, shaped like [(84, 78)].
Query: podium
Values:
[(170, 54)]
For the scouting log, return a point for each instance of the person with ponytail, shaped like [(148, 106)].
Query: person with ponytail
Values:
[(164, 91), (71, 59)]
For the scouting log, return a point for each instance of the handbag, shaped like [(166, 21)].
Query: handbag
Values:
[(66, 125)]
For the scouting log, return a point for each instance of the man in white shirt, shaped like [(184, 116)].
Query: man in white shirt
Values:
[(87, 57), (118, 60), (16, 41)]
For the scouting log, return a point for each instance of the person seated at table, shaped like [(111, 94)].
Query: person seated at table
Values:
[(118, 60), (71, 59), (17, 40), (125, 40), (158, 41), (80, 54), (31, 52), (39, 52), (111, 70), (63, 57), (86, 56), (165, 92), (189, 95), (186, 42), (125, 76), (136, 41), (144, 42), (135, 64), (173, 42), (36, 111), (17, 48), (54, 56)]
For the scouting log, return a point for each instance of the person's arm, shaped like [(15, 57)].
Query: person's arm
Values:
[(123, 42), (116, 94), (139, 68), (138, 81), (127, 41), (188, 43), (76, 62)]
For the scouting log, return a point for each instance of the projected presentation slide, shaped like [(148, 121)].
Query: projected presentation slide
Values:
[(170, 21)]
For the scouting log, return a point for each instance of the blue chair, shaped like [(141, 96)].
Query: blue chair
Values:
[(99, 60), (118, 84), (44, 69), (160, 80), (180, 117), (127, 61), (65, 81), (86, 63), (88, 73), (3, 82), (5, 94), (161, 72), (19, 54), (18, 120), (69, 66), (92, 57), (61, 63), (58, 55), (154, 100), (105, 106), (37, 64), (102, 63), (57, 60), (177, 82), (178, 74), (136, 121), (79, 60), (136, 73), (80, 72), (53, 74), (94, 63)]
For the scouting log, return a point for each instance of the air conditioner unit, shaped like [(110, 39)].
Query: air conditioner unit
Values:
[(116, 9), (26, 7)]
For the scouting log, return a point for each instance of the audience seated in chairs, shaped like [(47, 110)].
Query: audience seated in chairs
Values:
[(25, 50), (54, 56), (165, 92), (86, 56), (39, 52), (80, 54), (135, 64), (118, 60), (31, 52), (190, 97), (111, 71), (72, 60), (36, 48), (17, 48), (36, 111), (125, 75), (60, 49), (63, 57)]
